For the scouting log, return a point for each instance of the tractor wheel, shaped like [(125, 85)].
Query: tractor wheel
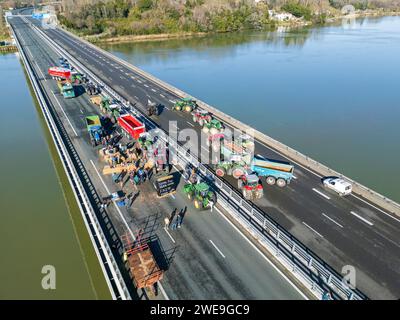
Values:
[(281, 182), (220, 172), (248, 195), (258, 194), (189, 195), (177, 108), (201, 122), (198, 204), (271, 180), (195, 119), (206, 129), (188, 109), (237, 172)]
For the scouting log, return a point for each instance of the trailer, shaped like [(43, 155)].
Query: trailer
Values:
[(66, 89), (131, 126), (95, 129), (59, 73), (142, 264), (274, 171)]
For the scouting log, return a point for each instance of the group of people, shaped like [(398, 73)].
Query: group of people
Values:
[(174, 221)]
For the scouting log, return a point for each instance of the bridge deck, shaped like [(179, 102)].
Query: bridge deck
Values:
[(196, 270)]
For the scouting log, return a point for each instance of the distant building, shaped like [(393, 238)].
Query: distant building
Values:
[(282, 16)]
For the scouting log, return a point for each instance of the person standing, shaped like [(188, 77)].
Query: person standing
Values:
[(174, 223), (181, 214), (211, 205), (166, 223)]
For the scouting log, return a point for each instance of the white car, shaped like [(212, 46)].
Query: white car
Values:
[(339, 185)]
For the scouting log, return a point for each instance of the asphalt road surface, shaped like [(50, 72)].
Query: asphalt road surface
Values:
[(208, 257)]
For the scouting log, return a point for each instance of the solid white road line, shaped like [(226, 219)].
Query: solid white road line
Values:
[(384, 212), (64, 113), (154, 90), (171, 101), (361, 218), (126, 224), (329, 218), (146, 85), (162, 95), (261, 254), (216, 248), (320, 193), (313, 229), (190, 123), (172, 239)]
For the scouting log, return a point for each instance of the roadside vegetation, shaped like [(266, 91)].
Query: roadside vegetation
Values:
[(4, 34), (122, 18)]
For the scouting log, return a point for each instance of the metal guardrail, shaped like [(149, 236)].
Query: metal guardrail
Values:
[(108, 264), (295, 256), (369, 194)]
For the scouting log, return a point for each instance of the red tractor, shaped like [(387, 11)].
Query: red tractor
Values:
[(201, 117), (251, 187)]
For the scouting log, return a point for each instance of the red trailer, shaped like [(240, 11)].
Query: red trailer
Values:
[(131, 125), (58, 72)]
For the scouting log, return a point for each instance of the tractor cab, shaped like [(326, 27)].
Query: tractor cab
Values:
[(250, 186)]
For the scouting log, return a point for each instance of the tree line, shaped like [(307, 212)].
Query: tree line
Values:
[(141, 17)]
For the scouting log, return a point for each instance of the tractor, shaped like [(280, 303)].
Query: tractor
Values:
[(152, 108), (250, 186), (145, 141), (110, 108), (201, 117), (200, 194), (91, 89), (185, 104), (213, 127)]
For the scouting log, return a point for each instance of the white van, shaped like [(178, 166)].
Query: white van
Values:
[(339, 185)]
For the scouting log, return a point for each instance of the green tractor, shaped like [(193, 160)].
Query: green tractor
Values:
[(213, 127), (110, 108), (200, 194), (185, 104), (145, 140)]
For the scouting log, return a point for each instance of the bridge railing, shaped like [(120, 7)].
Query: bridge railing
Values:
[(308, 268), (107, 262)]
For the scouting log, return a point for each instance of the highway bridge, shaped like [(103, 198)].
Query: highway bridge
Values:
[(342, 231)]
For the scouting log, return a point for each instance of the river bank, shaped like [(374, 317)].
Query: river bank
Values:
[(275, 25)]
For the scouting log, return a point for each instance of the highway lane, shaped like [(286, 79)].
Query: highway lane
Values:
[(197, 270), (341, 230)]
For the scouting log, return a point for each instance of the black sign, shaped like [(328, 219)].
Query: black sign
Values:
[(165, 185)]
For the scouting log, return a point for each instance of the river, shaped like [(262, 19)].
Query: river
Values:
[(330, 92), (40, 223)]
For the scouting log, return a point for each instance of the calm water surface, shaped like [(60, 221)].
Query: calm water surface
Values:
[(332, 92), (36, 228)]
